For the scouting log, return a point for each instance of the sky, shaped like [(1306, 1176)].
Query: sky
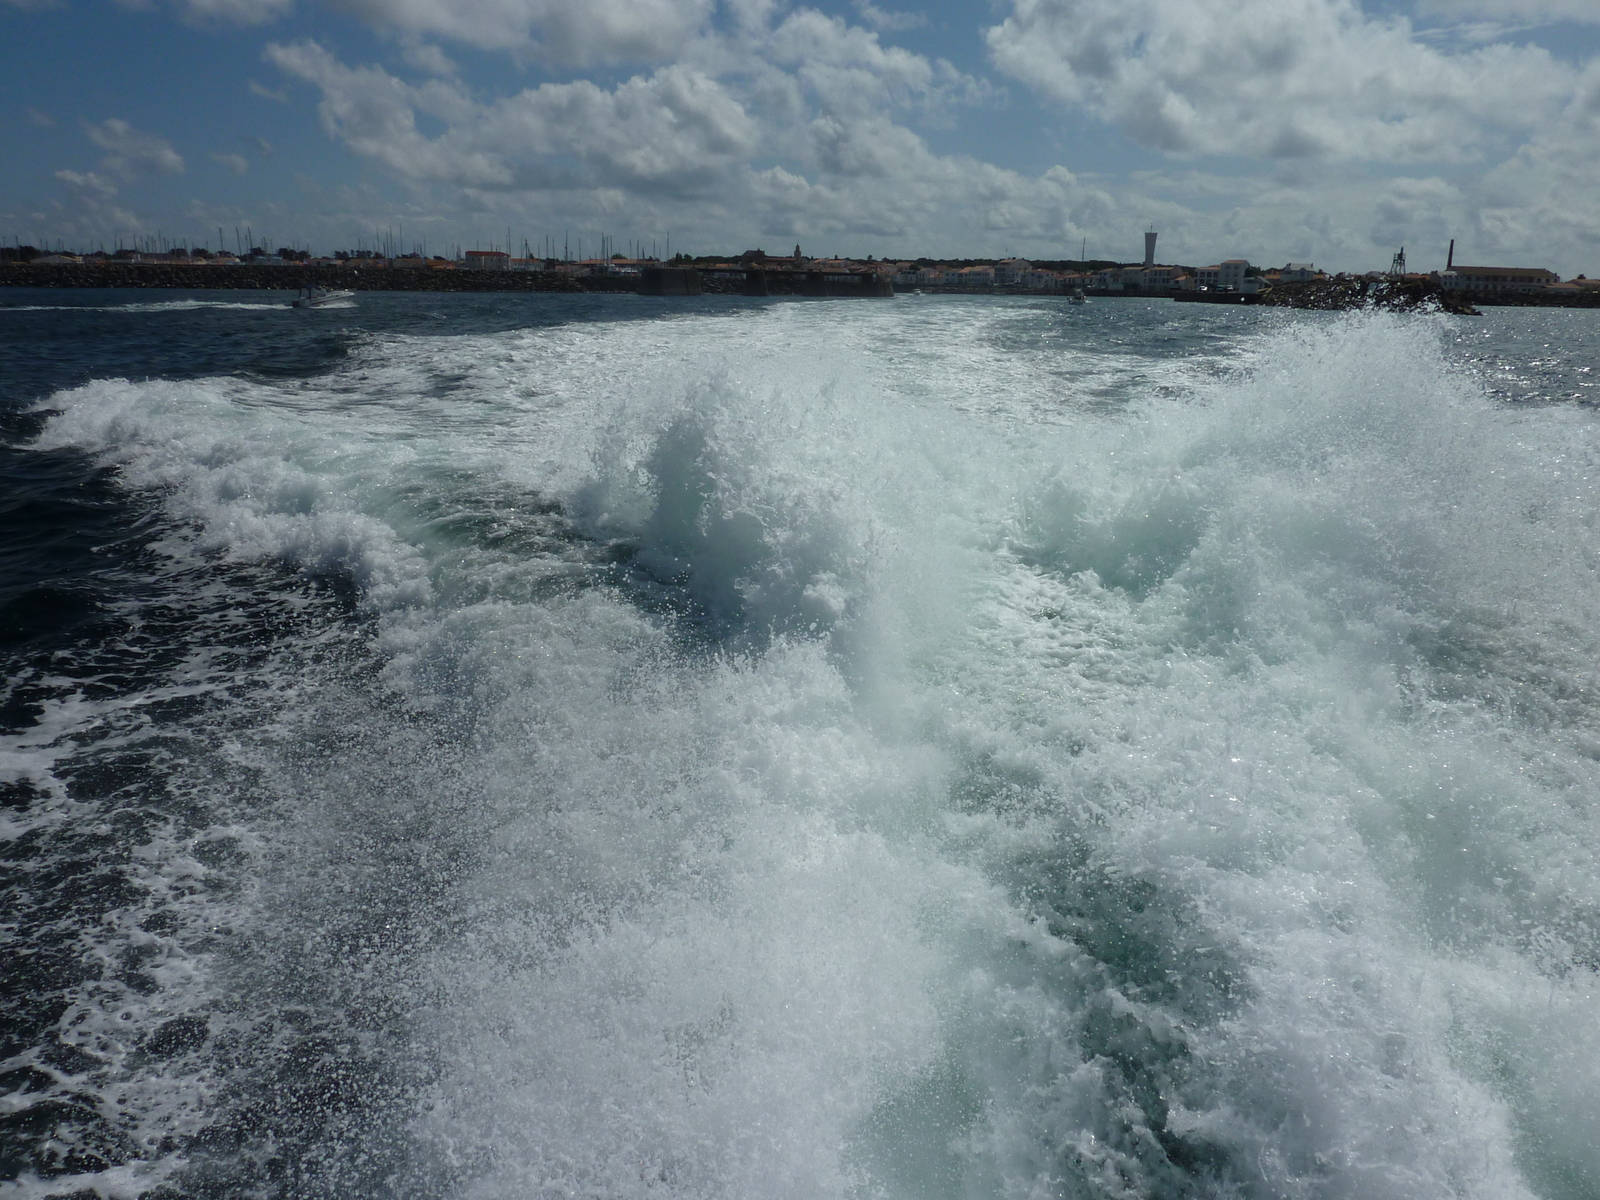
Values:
[(1325, 131)]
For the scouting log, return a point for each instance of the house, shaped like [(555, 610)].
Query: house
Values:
[(1009, 271), (1297, 272), (1233, 274), (486, 260), (1488, 280)]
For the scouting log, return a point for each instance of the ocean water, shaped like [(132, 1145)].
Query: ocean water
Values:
[(536, 746)]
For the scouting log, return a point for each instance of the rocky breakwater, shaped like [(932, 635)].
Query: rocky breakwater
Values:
[(1336, 294), (245, 277)]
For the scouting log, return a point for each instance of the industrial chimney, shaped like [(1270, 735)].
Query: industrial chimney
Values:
[(1150, 249)]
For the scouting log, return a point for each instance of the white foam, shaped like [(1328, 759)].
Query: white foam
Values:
[(157, 306), (1056, 752)]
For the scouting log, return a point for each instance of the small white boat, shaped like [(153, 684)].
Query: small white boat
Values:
[(1077, 297), (320, 297)]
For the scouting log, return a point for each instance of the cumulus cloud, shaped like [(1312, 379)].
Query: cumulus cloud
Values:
[(557, 31), (1275, 78), (788, 124), (1546, 196), (669, 129), (680, 141), (849, 70), (889, 20), (428, 58), (133, 152)]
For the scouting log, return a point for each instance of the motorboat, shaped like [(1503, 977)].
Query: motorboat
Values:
[(1077, 297), (320, 297)]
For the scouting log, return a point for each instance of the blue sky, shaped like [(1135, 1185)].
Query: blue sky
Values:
[(1329, 131)]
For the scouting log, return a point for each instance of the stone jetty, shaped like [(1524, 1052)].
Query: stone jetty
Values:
[(1394, 295)]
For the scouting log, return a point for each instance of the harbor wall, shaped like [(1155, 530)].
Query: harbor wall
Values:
[(246, 277)]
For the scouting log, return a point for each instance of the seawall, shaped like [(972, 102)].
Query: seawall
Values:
[(291, 278)]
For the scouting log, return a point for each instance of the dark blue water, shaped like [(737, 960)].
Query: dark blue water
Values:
[(512, 745)]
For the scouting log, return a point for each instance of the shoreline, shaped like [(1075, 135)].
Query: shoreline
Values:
[(246, 277), (1321, 294)]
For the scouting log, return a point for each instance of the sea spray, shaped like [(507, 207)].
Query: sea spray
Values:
[(1021, 750)]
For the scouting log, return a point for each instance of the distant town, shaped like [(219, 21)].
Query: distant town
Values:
[(1233, 279)]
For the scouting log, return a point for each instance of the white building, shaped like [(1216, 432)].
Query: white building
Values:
[(1231, 275), (1011, 270), (1297, 272), (1498, 279)]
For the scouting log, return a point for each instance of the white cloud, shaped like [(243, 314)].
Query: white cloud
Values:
[(789, 124), (1545, 199), (428, 58), (236, 12), (236, 163), (1421, 211), (849, 70), (888, 20), (374, 114), (557, 31), (671, 129), (88, 181), (680, 149), (133, 152), (1275, 78)]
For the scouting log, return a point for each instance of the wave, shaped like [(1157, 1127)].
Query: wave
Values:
[(153, 306), (777, 772)]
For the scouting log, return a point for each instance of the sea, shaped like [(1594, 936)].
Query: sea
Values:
[(518, 747)]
